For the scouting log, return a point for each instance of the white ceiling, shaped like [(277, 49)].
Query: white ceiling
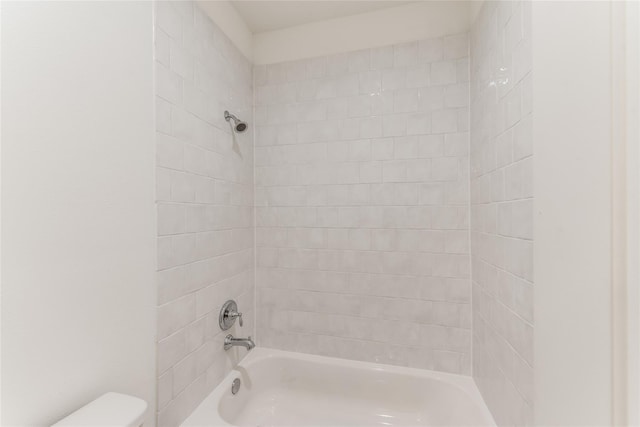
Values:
[(267, 15)]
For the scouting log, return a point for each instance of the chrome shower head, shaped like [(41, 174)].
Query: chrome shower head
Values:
[(239, 125)]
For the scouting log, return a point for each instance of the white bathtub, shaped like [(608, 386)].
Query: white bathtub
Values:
[(281, 388)]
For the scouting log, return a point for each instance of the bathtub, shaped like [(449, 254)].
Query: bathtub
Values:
[(280, 388)]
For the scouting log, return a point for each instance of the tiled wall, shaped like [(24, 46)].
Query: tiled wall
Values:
[(502, 210), (362, 205), (205, 204)]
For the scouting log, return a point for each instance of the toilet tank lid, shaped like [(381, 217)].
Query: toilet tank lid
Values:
[(110, 409)]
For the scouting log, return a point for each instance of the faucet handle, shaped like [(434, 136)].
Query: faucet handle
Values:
[(235, 314), (228, 315)]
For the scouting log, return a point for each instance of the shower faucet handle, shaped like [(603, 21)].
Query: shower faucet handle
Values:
[(235, 314), (228, 315)]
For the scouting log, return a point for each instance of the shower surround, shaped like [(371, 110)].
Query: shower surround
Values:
[(385, 218), (362, 205), (205, 204), (502, 209)]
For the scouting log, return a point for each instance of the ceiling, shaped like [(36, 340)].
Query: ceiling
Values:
[(267, 15)]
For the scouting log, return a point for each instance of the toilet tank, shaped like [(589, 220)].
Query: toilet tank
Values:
[(110, 409)]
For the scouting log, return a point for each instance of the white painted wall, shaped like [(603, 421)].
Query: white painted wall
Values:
[(625, 77), (78, 258), (633, 211), (572, 225), (474, 10), (415, 21), (225, 16)]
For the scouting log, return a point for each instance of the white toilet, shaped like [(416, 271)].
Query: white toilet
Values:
[(111, 409)]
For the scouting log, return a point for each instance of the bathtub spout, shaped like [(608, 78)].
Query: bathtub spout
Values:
[(230, 341)]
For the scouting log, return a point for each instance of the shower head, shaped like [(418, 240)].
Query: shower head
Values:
[(239, 125)]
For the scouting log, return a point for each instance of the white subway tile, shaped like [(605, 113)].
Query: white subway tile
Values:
[(418, 76), (457, 95), (359, 60), (168, 19), (171, 219), (370, 82), (443, 73), (181, 61), (382, 148), (382, 57), (405, 100), (430, 50), (371, 127), (165, 389), (418, 124), (431, 99), (457, 46), (444, 121), (394, 78), (169, 152), (394, 125), (405, 54), (168, 84), (161, 47)]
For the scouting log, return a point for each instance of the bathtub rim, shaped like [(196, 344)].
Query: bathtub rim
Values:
[(208, 408)]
